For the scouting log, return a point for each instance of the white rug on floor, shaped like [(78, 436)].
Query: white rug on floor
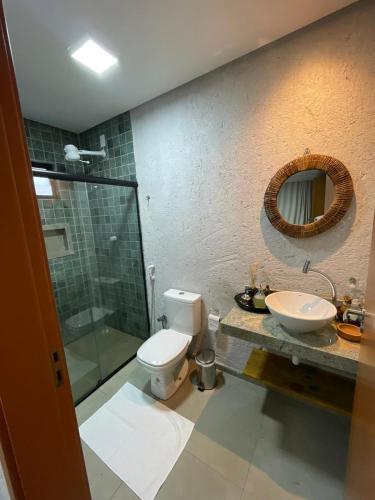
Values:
[(137, 437)]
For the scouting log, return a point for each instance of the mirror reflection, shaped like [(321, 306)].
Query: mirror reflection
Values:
[(305, 197)]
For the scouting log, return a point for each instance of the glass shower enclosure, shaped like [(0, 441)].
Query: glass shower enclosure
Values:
[(93, 241)]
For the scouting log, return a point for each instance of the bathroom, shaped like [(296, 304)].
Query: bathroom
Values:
[(180, 144)]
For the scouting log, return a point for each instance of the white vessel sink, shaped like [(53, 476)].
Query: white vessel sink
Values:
[(300, 312)]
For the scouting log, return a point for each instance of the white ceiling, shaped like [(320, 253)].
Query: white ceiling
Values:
[(160, 45)]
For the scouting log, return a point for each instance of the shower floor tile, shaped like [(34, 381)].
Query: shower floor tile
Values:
[(96, 355), (115, 348), (248, 442)]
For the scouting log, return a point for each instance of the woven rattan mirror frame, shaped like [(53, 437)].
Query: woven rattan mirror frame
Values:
[(341, 179)]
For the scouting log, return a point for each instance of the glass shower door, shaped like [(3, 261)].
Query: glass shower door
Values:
[(120, 285), (93, 243), (66, 222)]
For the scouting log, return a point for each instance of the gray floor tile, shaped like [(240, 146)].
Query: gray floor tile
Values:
[(139, 378), (124, 493), (119, 379), (228, 464), (103, 482), (233, 416), (259, 486), (247, 441), (193, 479), (187, 401), (89, 406), (301, 450)]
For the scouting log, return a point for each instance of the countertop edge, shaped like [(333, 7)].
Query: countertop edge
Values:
[(307, 353)]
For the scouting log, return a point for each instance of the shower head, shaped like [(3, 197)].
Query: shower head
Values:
[(72, 153)]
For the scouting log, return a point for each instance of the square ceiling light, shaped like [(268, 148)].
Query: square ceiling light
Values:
[(94, 57)]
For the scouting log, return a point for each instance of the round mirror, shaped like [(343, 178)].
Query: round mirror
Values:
[(305, 197), (308, 195)]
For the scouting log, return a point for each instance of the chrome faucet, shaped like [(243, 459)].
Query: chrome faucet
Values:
[(306, 269)]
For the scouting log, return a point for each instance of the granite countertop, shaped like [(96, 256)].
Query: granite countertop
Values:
[(323, 347)]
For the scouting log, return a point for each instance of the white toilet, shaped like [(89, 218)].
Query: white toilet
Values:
[(163, 355)]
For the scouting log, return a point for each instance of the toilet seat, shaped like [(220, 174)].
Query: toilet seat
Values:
[(163, 348)]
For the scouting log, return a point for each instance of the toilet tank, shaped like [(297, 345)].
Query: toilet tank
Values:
[(183, 310)]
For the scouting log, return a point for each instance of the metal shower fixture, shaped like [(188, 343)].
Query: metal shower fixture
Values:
[(72, 153)]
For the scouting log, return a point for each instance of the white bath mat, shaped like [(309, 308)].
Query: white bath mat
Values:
[(138, 438)]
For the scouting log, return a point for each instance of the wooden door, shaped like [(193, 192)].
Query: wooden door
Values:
[(361, 462), (39, 441)]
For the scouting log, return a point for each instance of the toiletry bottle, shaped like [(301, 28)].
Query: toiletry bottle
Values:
[(346, 303), (356, 303), (259, 299)]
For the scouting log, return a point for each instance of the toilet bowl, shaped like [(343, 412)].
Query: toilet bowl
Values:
[(163, 355)]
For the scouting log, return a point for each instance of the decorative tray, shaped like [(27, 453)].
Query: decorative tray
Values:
[(248, 306)]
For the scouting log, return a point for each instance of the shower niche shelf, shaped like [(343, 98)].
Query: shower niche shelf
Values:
[(58, 240)]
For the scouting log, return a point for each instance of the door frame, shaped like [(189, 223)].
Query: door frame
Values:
[(360, 479), (40, 447)]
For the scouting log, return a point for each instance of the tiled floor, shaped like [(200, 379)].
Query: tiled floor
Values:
[(248, 443), (96, 355)]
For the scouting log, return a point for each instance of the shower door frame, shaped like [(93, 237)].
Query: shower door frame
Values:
[(90, 179)]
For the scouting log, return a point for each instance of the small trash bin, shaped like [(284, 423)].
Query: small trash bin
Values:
[(207, 369)]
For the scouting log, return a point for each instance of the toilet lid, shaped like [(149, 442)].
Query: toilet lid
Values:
[(163, 347)]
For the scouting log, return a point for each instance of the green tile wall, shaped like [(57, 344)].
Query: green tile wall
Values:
[(46, 144), (120, 162), (101, 272), (71, 275), (114, 213)]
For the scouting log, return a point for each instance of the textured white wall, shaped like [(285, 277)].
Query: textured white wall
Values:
[(206, 151)]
